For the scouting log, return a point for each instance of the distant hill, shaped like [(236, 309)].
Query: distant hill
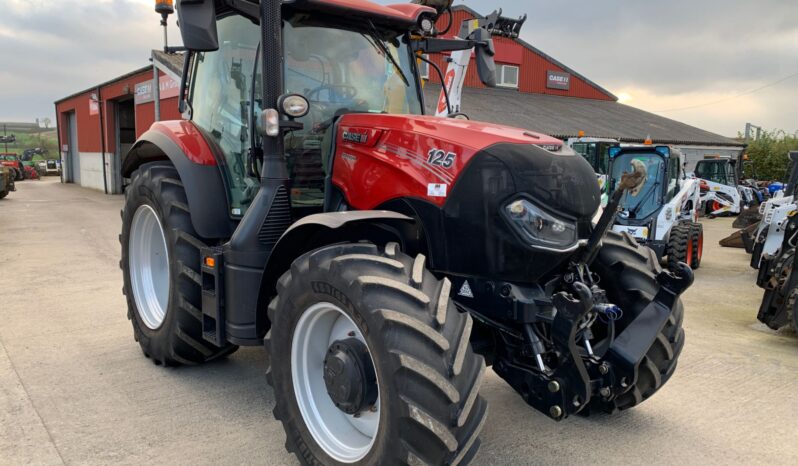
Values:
[(15, 127)]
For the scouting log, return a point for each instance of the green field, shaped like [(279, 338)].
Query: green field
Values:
[(44, 138)]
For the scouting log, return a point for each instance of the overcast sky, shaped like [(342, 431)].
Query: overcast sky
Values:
[(696, 61)]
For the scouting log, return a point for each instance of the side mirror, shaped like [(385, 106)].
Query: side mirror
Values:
[(197, 19), (485, 52)]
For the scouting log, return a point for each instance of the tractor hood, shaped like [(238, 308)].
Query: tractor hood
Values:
[(458, 178)]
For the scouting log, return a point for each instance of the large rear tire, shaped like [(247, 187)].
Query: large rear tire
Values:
[(427, 408), (628, 273), (160, 264)]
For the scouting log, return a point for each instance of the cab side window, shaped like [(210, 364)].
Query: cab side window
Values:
[(220, 103), (674, 173)]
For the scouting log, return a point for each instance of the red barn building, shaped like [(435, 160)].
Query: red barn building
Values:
[(97, 126)]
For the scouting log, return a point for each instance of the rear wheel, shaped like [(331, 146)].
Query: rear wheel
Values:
[(160, 264), (371, 361), (19, 174), (697, 236), (680, 245), (628, 273)]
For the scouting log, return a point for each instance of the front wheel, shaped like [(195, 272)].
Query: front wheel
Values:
[(160, 264), (680, 245), (371, 361)]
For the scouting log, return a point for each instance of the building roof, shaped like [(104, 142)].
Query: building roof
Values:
[(564, 117), (544, 55), (106, 83), (173, 62)]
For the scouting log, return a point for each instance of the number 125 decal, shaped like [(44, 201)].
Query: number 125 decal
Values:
[(441, 158)]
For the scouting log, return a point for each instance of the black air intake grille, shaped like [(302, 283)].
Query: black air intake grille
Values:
[(277, 220)]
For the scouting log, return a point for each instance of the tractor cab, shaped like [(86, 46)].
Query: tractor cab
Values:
[(595, 150), (661, 214)]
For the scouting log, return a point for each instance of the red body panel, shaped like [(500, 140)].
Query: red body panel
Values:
[(395, 159), (403, 13), (188, 138)]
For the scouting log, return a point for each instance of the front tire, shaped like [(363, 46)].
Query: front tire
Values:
[(680, 246), (427, 408), (160, 264)]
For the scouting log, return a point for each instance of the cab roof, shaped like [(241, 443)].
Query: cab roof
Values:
[(400, 14)]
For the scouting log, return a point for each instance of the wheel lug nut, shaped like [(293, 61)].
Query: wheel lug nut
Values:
[(554, 386), (555, 412), (604, 368), (605, 392)]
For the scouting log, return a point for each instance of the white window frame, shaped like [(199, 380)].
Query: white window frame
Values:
[(500, 77)]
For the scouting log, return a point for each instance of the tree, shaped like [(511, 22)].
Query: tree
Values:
[(768, 155), (46, 121)]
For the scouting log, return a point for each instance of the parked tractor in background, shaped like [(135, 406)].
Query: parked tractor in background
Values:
[(11, 161), (597, 153), (721, 192), (663, 215), (384, 258), (7, 176)]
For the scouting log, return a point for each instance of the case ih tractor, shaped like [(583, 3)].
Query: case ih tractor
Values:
[(383, 257)]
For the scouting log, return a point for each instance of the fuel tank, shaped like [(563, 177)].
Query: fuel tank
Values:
[(456, 176)]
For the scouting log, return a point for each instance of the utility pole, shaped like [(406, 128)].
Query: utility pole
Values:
[(5, 137), (749, 129)]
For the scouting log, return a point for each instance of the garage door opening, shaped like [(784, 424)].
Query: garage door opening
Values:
[(72, 156), (125, 137)]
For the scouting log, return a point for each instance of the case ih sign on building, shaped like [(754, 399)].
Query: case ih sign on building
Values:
[(558, 80)]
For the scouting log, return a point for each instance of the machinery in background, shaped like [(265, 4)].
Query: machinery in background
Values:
[(721, 194), (597, 153), (11, 161), (663, 215), (7, 176)]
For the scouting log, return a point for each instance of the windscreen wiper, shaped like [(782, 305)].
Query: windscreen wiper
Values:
[(380, 45)]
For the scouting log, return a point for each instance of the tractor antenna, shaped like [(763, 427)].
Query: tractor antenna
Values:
[(165, 8)]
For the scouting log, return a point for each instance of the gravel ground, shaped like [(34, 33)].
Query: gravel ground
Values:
[(75, 388)]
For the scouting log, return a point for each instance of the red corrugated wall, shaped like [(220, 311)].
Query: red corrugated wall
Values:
[(533, 67)]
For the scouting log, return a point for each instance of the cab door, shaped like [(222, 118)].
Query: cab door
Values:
[(220, 103)]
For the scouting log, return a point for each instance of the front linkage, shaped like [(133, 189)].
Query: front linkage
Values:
[(558, 372)]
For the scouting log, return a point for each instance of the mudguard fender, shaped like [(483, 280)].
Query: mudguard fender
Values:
[(184, 145), (314, 231)]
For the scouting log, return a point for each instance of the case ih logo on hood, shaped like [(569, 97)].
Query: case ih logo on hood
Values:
[(358, 138)]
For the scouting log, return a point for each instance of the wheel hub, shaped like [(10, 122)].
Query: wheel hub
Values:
[(349, 376)]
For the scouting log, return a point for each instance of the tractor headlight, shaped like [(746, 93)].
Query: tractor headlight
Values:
[(294, 105), (541, 229)]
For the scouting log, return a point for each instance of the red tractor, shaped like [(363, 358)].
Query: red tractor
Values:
[(383, 257)]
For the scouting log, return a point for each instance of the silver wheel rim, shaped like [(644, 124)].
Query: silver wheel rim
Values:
[(149, 266), (343, 437)]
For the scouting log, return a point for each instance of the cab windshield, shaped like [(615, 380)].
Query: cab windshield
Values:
[(715, 171), (339, 71), (647, 200)]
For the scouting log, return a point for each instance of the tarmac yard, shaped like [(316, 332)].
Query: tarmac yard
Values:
[(76, 389)]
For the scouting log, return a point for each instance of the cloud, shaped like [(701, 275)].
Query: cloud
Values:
[(663, 55), (58, 48)]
